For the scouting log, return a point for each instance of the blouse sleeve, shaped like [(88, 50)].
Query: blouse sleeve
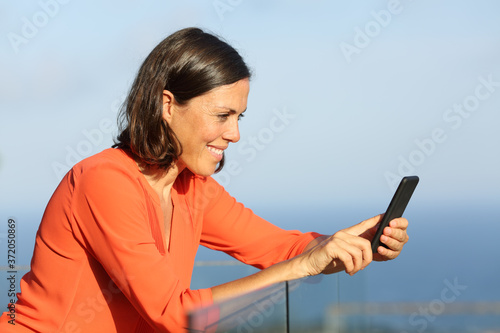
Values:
[(230, 227), (110, 218)]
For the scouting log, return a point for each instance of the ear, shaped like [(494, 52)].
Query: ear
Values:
[(168, 105)]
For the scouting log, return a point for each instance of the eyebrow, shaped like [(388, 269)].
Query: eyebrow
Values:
[(232, 111)]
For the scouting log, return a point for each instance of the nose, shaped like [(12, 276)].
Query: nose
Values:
[(232, 132)]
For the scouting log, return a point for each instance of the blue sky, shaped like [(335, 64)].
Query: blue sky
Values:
[(345, 123)]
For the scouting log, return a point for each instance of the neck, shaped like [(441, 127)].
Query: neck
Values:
[(162, 180)]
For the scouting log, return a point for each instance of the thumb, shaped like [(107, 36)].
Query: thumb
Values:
[(362, 227)]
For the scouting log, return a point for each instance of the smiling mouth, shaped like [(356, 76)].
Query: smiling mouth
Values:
[(216, 152)]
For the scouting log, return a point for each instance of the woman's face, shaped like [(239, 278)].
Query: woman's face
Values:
[(207, 124)]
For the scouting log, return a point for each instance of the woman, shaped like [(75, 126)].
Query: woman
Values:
[(117, 242)]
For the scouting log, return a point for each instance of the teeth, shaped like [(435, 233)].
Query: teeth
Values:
[(215, 150)]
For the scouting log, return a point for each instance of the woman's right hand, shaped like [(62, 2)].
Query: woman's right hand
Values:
[(345, 250)]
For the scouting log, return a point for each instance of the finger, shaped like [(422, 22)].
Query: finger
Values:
[(399, 223), (384, 253), (363, 226), (393, 244), (346, 259), (350, 255), (367, 254), (357, 258), (366, 247), (397, 234), (360, 251), (358, 248), (366, 250)]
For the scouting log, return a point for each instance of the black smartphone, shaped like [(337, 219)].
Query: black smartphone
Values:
[(396, 207)]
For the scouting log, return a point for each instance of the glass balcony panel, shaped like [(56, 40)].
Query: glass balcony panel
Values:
[(310, 304), (263, 311)]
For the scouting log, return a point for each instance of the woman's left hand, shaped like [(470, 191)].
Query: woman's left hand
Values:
[(394, 236)]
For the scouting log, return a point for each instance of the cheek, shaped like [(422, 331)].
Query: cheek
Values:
[(197, 139), (211, 132), (196, 133)]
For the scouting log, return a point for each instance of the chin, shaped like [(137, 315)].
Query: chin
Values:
[(204, 172)]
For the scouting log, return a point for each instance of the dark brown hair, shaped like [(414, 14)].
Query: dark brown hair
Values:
[(188, 63)]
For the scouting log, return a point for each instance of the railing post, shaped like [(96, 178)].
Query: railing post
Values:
[(287, 308)]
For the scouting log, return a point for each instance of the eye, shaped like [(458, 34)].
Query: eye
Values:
[(223, 116)]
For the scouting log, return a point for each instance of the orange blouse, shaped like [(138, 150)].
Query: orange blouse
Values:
[(100, 262)]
